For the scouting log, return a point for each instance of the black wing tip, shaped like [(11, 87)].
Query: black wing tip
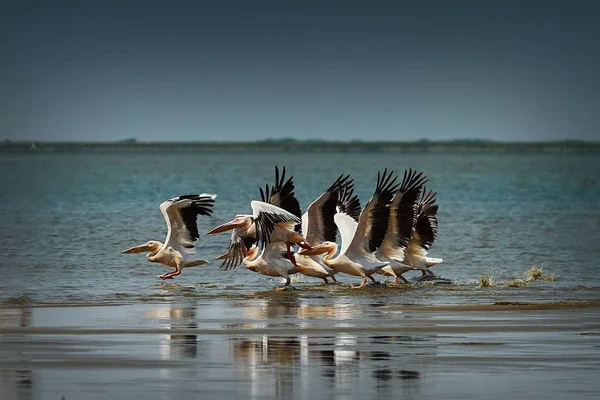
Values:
[(339, 182), (428, 198), (235, 256), (200, 204), (386, 185), (195, 196), (348, 202)]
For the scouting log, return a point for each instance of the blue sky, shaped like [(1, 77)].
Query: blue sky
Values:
[(239, 70)]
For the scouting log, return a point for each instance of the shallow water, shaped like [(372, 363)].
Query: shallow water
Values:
[(66, 217), (80, 319), (286, 347)]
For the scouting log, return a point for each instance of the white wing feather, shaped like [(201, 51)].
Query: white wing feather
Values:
[(262, 207), (178, 236), (347, 227)]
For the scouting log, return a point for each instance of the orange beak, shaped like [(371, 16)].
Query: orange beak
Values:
[(137, 249), (225, 227), (222, 256), (315, 250)]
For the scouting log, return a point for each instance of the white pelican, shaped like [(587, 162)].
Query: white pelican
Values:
[(403, 218), (271, 223), (424, 235), (318, 226), (281, 194), (360, 239), (182, 233), (271, 262)]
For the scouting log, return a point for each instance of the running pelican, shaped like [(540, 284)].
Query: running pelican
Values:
[(281, 194), (182, 233), (360, 239), (424, 235), (318, 226), (271, 262), (403, 218), (272, 224)]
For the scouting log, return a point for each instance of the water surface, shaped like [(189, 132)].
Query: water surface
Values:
[(81, 320)]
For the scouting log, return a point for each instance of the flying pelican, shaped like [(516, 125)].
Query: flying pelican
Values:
[(360, 239), (424, 235), (319, 226), (182, 233), (281, 194), (271, 262), (271, 223), (403, 218)]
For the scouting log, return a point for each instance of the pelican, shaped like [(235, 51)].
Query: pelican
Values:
[(271, 262), (271, 224), (182, 233), (319, 226), (281, 194), (424, 235), (360, 239), (403, 218)]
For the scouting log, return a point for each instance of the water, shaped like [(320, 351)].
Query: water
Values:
[(91, 321), (66, 217)]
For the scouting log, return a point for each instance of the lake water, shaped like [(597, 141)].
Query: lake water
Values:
[(81, 320)]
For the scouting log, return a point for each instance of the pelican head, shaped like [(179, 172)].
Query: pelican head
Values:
[(318, 249), (240, 221), (152, 245)]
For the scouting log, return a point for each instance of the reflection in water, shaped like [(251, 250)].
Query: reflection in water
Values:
[(183, 346), (176, 347), (284, 365), (15, 384), (177, 317), (270, 311)]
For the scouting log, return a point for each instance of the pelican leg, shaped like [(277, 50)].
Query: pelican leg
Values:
[(397, 278), (362, 284), (427, 275), (166, 276), (333, 279), (288, 280), (290, 255), (325, 279), (170, 275)]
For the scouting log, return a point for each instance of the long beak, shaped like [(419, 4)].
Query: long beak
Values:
[(225, 227), (137, 249), (319, 249), (222, 256)]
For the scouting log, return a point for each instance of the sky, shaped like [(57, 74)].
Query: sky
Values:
[(251, 70)]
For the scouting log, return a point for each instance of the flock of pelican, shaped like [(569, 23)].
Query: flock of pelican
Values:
[(391, 235)]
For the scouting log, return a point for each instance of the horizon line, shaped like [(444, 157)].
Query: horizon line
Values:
[(133, 141)]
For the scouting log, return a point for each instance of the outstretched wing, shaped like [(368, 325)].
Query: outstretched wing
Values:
[(403, 214), (238, 248), (180, 215), (282, 194), (348, 202), (374, 218), (347, 214), (427, 224), (266, 217), (318, 224), (403, 209)]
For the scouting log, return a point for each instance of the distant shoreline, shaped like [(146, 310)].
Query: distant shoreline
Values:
[(316, 146)]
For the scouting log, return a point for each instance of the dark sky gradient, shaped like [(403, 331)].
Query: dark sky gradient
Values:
[(236, 70)]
